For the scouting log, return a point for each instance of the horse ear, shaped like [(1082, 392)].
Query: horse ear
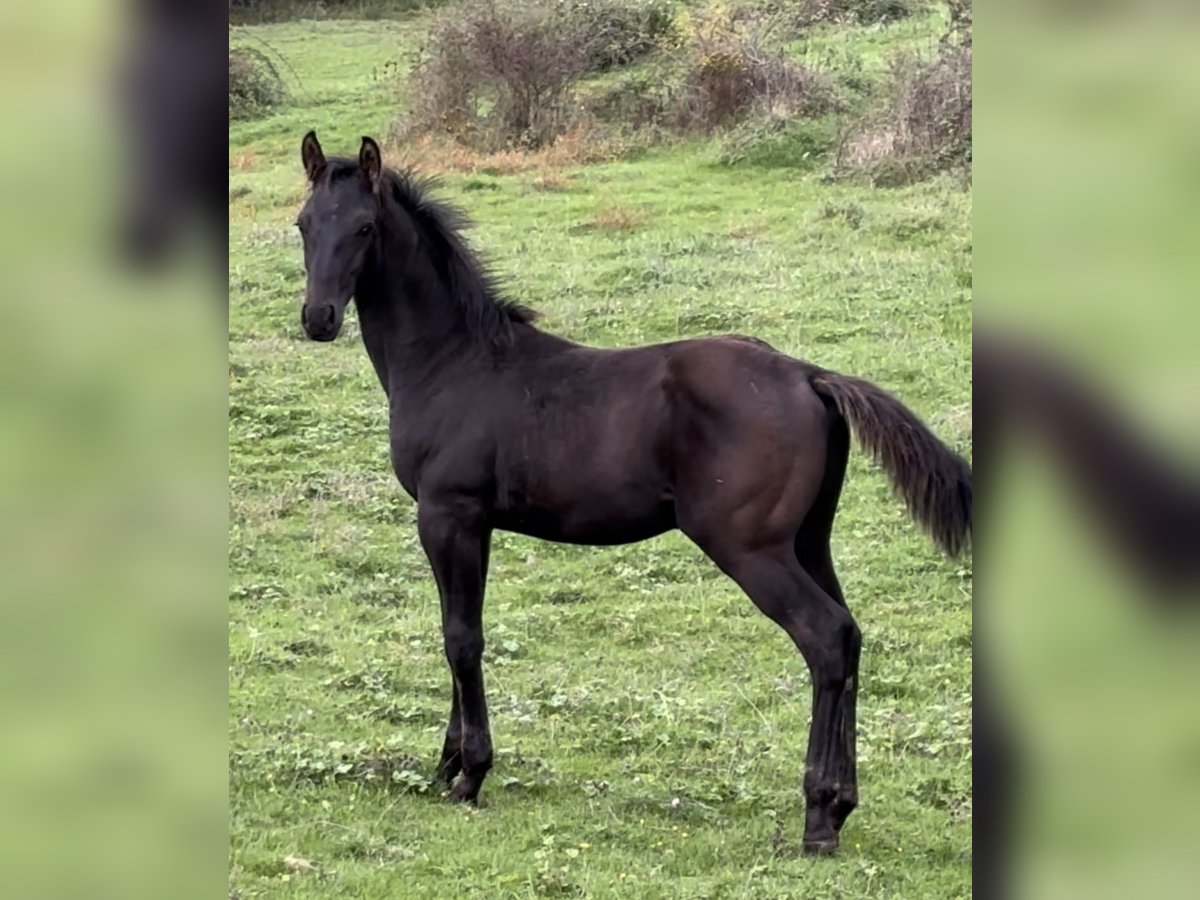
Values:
[(370, 161), (312, 156)]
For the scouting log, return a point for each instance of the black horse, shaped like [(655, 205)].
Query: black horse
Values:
[(496, 424)]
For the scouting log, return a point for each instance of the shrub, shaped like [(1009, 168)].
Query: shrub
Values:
[(638, 100), (255, 86), (871, 12), (933, 102), (926, 124), (797, 16), (731, 71), (506, 75), (622, 31), (499, 74)]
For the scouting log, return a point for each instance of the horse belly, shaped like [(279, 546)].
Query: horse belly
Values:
[(586, 508), (595, 527)]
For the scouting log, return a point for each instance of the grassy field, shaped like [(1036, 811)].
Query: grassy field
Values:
[(650, 724)]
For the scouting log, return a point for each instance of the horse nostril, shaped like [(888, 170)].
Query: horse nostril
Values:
[(319, 320)]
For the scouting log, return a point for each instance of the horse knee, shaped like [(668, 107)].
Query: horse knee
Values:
[(835, 663), (464, 645)]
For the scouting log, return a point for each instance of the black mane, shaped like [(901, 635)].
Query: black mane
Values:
[(487, 314)]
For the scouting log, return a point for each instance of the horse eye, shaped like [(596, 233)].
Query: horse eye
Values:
[(366, 229)]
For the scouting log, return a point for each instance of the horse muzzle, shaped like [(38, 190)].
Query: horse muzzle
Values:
[(321, 323)]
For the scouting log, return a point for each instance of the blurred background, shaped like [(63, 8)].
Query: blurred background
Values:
[(112, 386), (113, 380), (1086, 382)]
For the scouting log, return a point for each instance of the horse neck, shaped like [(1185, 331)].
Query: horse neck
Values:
[(410, 324)]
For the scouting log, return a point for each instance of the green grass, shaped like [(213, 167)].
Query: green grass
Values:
[(650, 725)]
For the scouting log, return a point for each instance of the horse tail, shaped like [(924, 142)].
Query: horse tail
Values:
[(933, 480)]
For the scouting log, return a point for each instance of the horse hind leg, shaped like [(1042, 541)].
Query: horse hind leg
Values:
[(818, 565), (822, 573), (812, 538), (812, 551), (750, 529), (829, 640)]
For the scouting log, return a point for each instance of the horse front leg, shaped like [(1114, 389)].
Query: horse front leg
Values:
[(451, 762), (455, 537)]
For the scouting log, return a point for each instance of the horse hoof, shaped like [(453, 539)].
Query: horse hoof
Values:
[(842, 809), (821, 846), (465, 791)]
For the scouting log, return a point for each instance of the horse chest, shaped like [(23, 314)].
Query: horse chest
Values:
[(413, 439), (426, 456), (405, 463)]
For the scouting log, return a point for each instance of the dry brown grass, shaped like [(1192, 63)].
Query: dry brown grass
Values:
[(551, 180), (617, 218), (862, 148), (241, 207), (746, 230), (437, 154), (957, 420), (244, 162)]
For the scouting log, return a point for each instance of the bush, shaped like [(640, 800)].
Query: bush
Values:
[(622, 32), (871, 12), (255, 86), (797, 16), (507, 74), (499, 74), (926, 125), (639, 100), (730, 72)]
